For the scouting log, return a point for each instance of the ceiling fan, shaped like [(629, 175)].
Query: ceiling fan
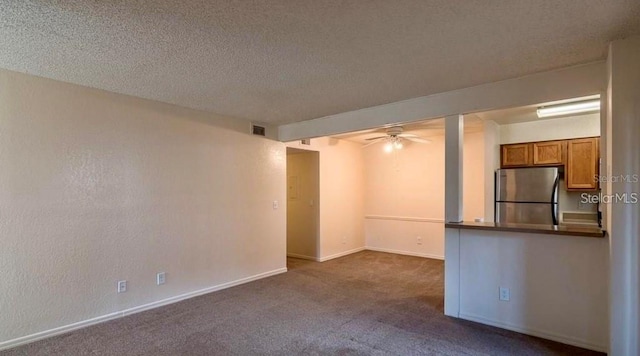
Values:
[(394, 137)]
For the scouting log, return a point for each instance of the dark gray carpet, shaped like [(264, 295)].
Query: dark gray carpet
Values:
[(368, 303)]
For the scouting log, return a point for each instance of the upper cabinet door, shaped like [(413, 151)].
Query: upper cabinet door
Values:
[(582, 163), (516, 155), (549, 153)]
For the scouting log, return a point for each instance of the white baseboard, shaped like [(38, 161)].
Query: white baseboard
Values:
[(101, 319), (569, 340), (408, 253), (340, 254), (303, 257)]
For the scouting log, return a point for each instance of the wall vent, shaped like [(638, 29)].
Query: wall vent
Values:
[(306, 141), (258, 130)]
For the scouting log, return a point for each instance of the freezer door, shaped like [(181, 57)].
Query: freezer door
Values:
[(527, 213), (527, 185)]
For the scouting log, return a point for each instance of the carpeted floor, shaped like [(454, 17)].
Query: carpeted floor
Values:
[(369, 303)]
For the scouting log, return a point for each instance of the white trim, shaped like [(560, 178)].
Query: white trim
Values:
[(406, 253), (303, 257), (119, 314), (569, 340), (340, 254), (404, 218)]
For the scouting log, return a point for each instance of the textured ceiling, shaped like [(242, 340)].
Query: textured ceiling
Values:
[(284, 61)]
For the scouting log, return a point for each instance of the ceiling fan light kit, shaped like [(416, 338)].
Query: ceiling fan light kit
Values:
[(394, 137), (388, 147), (393, 143)]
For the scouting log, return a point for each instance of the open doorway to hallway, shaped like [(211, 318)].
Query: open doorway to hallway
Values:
[(303, 195)]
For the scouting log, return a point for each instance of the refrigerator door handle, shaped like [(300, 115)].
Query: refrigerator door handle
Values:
[(496, 216), (554, 201)]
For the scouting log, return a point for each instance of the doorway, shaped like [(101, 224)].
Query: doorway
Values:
[(303, 200)]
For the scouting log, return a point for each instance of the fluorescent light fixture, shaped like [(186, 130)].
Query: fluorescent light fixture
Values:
[(569, 108)]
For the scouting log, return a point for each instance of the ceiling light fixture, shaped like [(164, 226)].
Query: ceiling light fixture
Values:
[(393, 143), (569, 108)]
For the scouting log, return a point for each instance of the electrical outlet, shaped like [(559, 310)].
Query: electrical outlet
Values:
[(505, 294), (344, 240), (275, 205), (160, 278), (419, 240), (122, 286)]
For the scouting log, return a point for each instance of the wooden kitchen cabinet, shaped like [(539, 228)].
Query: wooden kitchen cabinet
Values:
[(549, 153), (516, 155), (580, 158), (582, 163)]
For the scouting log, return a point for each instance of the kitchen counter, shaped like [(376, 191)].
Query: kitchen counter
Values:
[(531, 228)]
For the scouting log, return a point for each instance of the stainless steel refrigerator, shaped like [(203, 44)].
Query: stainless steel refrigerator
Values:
[(527, 195)]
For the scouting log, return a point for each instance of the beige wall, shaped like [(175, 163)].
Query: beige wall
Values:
[(341, 195), (558, 284), (623, 159), (303, 195), (97, 187), (404, 195)]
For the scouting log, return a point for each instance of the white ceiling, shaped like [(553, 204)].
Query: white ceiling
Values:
[(284, 61), (472, 122), (425, 129), (526, 113)]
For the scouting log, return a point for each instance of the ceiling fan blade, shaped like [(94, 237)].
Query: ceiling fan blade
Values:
[(417, 139), (376, 138), (372, 143)]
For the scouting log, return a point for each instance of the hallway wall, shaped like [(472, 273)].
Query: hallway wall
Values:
[(303, 200), (341, 195)]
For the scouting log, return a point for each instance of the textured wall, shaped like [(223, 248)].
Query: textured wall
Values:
[(97, 187)]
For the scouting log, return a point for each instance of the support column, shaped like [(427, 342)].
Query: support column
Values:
[(491, 163), (454, 135), (623, 119), (454, 140)]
